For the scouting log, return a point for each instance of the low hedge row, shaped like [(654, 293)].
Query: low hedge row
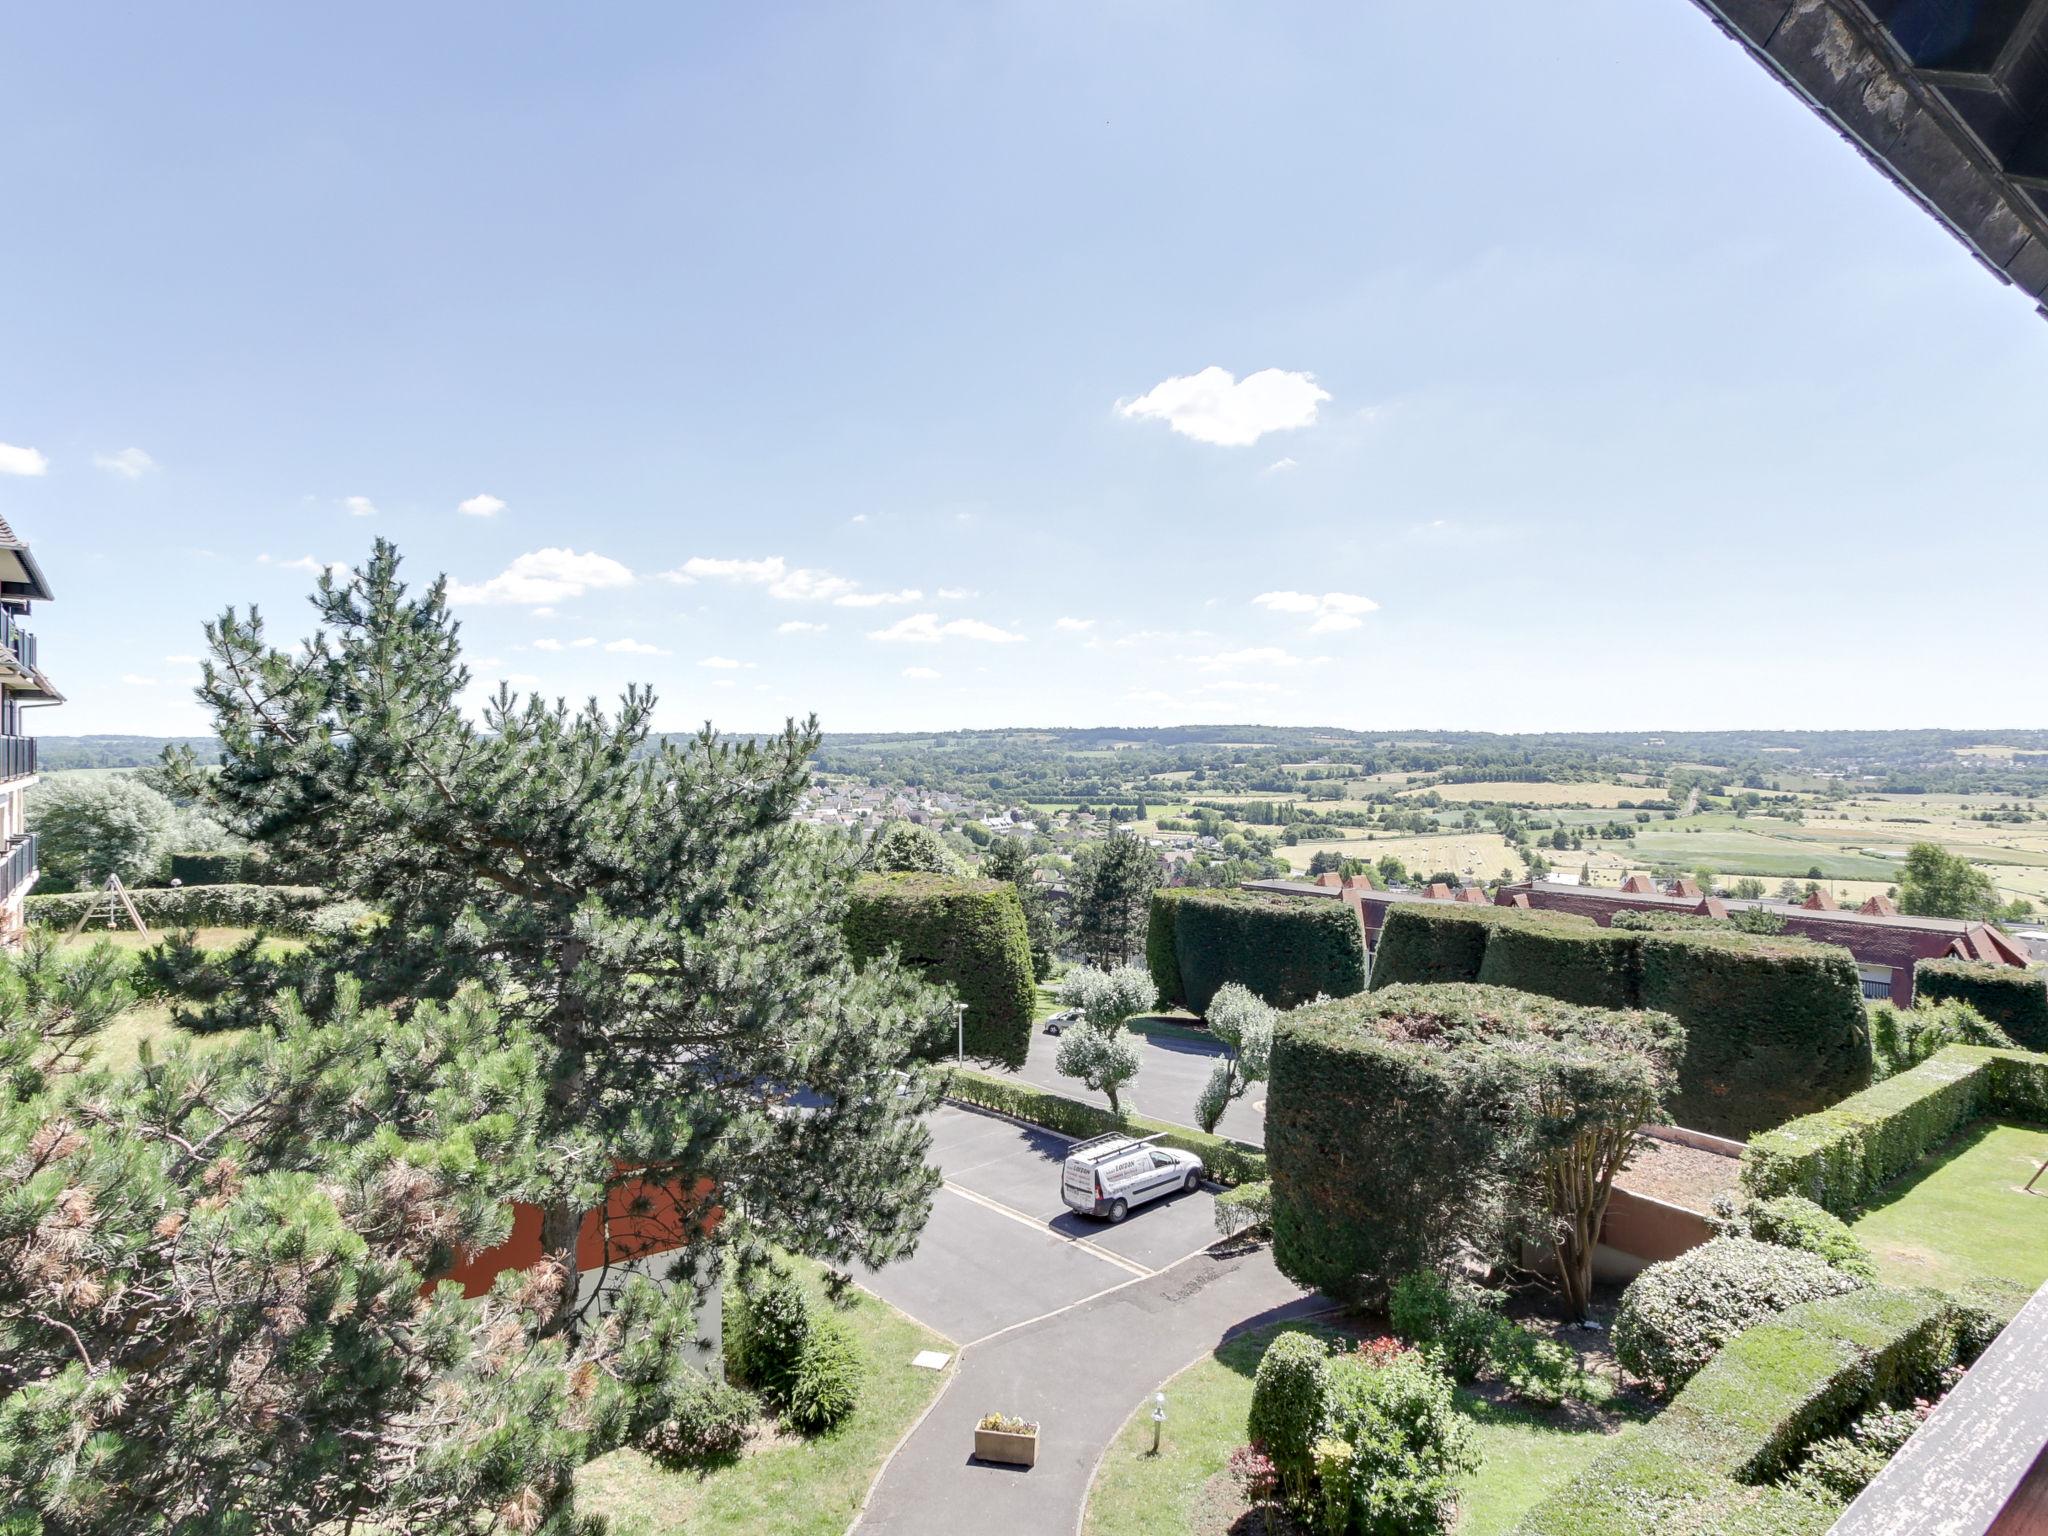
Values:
[(279, 908), (1285, 949), (1841, 1156), (2016, 1000), (969, 935), (1702, 1464), (1232, 1162), (1775, 1027)]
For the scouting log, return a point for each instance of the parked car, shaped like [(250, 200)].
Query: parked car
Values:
[(1060, 1021), (1106, 1175)]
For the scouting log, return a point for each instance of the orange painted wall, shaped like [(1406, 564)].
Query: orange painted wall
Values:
[(641, 1217)]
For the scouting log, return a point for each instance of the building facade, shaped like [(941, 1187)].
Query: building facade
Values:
[(22, 687)]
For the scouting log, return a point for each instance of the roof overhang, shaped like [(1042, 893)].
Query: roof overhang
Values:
[(1949, 98), (20, 576)]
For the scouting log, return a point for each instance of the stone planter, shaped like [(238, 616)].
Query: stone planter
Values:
[(1001, 1445)]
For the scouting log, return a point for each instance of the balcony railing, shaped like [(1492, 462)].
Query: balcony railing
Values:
[(17, 757), (17, 864), (17, 638)]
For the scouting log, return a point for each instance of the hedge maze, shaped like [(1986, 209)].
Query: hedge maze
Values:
[(968, 935), (1286, 950), (1775, 1027)]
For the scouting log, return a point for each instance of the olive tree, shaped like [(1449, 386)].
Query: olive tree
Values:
[(1098, 1049)]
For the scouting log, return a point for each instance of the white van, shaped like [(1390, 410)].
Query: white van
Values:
[(1107, 1175)]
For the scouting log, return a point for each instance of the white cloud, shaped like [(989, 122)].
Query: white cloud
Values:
[(543, 613), (635, 648), (922, 674), (480, 506), (129, 463), (182, 661), (583, 644), (545, 576), (1281, 466), (21, 461), (135, 680), (359, 506), (1074, 626), (925, 629), (309, 565), (956, 594), (858, 517), (799, 627), (1213, 407), (1257, 656), (796, 584), (548, 645), (1334, 611), (723, 663)]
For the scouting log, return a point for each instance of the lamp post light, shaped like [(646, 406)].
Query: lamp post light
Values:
[(959, 1034), (1158, 1418)]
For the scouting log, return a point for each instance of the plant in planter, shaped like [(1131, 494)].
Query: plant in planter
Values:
[(1014, 1442)]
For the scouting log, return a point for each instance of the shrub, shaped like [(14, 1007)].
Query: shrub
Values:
[(1791, 1221), (1841, 1156), (969, 935), (1287, 950), (1699, 1468), (1400, 1126), (1290, 1393), (1232, 1162), (1246, 1211), (1676, 1315), (1841, 1466), (1452, 1324), (1408, 1444), (339, 918), (1902, 1038), (2014, 999), (825, 1384), (768, 1323), (278, 908), (698, 1420), (904, 846)]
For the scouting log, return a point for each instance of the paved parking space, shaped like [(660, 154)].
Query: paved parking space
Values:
[(1172, 1072), (1002, 1248)]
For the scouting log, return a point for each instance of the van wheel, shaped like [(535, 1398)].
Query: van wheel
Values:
[(1118, 1210), (1192, 1182)]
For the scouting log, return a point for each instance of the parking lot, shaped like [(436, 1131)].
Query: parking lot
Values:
[(1002, 1248)]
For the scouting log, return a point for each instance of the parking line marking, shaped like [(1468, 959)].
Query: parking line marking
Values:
[(1130, 1266)]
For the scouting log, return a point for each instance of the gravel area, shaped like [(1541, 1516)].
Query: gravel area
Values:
[(1679, 1175)]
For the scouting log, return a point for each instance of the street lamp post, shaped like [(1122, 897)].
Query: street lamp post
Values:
[(959, 1034)]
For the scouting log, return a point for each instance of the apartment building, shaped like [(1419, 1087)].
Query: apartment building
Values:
[(22, 687)]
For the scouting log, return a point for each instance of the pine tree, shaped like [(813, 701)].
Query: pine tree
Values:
[(1112, 889), (647, 911)]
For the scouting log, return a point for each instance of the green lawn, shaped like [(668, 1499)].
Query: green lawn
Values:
[(783, 1484), (119, 1045), (1961, 1217), (1526, 1454)]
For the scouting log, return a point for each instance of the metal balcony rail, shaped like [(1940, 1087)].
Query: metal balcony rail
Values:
[(17, 757), (19, 639), (17, 864)]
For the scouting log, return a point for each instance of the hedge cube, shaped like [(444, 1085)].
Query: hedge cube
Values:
[(969, 935), (1286, 950)]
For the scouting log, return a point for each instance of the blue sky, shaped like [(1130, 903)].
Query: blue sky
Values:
[(1287, 363)]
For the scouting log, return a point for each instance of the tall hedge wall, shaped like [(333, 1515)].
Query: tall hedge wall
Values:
[(1701, 1466), (1161, 956), (1842, 1156), (280, 908), (1286, 949), (966, 934), (1385, 1141), (1775, 1026), (2015, 999)]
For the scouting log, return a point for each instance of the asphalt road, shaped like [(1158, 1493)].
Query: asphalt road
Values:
[(1166, 1087)]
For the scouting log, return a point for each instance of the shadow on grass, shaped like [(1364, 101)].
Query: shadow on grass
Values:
[(1957, 1147)]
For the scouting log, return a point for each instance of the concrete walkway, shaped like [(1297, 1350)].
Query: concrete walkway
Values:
[(1080, 1373)]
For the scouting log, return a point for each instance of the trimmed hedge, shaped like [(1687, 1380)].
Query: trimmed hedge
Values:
[(1774, 1027), (1229, 1162), (1285, 949), (279, 908), (224, 868), (1839, 1157), (1388, 1127), (2016, 1000), (1701, 1465), (1420, 945), (969, 935)]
